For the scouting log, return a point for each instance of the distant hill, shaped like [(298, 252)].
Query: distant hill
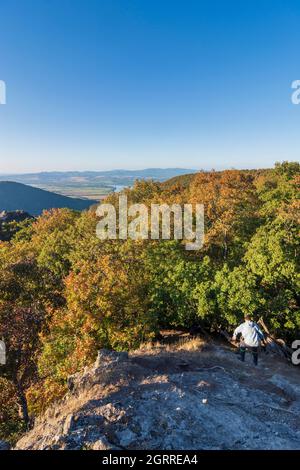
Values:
[(182, 180), (17, 196), (107, 177)]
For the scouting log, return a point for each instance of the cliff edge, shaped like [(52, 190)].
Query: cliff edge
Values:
[(190, 396)]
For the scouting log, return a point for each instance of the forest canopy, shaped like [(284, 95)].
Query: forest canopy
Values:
[(64, 293)]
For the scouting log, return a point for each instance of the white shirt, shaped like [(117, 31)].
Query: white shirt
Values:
[(250, 332)]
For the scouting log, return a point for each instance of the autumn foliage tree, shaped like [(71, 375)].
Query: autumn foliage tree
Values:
[(231, 210), (107, 306), (21, 318)]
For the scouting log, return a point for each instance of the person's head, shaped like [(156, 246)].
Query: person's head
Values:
[(247, 317)]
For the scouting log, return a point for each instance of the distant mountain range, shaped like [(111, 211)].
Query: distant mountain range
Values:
[(93, 184), (110, 176), (17, 196)]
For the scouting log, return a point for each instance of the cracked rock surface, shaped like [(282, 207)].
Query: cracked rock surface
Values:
[(174, 399)]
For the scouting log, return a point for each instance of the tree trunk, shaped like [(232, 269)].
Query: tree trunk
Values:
[(278, 345), (228, 337), (23, 403), (225, 245)]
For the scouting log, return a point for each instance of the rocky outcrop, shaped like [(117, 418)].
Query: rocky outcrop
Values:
[(9, 223), (4, 445), (174, 399), (14, 216)]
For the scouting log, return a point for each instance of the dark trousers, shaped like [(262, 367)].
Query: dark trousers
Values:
[(254, 353)]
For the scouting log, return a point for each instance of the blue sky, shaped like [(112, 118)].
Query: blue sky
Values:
[(101, 84)]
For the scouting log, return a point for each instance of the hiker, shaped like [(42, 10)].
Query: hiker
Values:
[(251, 337)]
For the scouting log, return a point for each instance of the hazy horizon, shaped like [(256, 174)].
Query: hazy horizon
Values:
[(107, 170)]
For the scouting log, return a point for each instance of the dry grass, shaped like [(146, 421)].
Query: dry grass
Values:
[(151, 346), (184, 343), (190, 344)]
